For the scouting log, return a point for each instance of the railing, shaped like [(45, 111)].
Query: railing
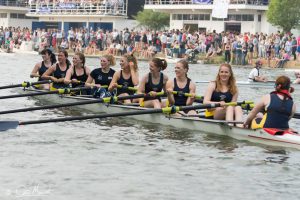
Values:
[(186, 2), (14, 3), (79, 7)]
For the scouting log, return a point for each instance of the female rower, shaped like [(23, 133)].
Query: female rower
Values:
[(126, 77), (279, 107), (102, 76), (223, 90), (41, 67), (182, 84), (78, 73), (57, 72), (153, 82)]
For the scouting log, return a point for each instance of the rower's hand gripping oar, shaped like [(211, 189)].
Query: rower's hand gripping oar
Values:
[(168, 110), (25, 84)]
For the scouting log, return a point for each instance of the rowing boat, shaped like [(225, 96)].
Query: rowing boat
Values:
[(269, 84), (262, 136)]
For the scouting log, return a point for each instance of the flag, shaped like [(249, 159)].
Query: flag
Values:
[(220, 9), (202, 1)]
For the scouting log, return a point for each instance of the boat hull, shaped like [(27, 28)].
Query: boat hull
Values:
[(220, 127)]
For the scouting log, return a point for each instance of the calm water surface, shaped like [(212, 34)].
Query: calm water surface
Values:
[(124, 159)]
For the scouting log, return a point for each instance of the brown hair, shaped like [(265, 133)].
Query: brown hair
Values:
[(81, 57), (185, 64), (111, 59), (231, 82), (131, 58), (283, 83), (160, 63)]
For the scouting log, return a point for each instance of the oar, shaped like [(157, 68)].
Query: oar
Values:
[(58, 91), (83, 102), (168, 110), (296, 116), (25, 84)]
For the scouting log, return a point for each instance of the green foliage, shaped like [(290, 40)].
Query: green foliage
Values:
[(152, 20), (284, 14)]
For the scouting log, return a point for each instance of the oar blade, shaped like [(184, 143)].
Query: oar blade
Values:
[(6, 125)]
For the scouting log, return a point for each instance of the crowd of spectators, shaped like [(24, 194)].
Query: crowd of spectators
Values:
[(236, 48)]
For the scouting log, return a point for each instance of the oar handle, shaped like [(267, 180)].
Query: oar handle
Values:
[(197, 97)]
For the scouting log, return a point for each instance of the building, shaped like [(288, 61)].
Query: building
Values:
[(92, 14), (13, 13), (243, 15)]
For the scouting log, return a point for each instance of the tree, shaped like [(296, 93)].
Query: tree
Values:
[(152, 20), (284, 13)]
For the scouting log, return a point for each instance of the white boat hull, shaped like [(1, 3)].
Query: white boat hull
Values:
[(196, 124)]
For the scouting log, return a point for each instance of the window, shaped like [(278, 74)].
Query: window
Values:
[(259, 18), (207, 17), (14, 15), (3, 15)]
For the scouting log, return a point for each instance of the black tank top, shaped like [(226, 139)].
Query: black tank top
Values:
[(102, 78), (82, 78), (125, 83), (42, 70), (58, 73), (149, 86), (278, 112), (221, 96), (180, 99)]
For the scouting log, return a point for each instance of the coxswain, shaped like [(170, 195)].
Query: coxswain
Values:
[(278, 106)]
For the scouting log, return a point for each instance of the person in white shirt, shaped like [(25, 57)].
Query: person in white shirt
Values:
[(254, 75)]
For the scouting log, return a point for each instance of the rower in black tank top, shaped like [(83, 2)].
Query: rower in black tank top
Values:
[(58, 73), (150, 86), (125, 83), (180, 99), (221, 96), (82, 78), (102, 78), (42, 70)]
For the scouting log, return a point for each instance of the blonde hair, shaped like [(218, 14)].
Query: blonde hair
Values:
[(231, 82), (111, 59), (131, 58)]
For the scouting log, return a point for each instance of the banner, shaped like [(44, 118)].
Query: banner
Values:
[(220, 9), (202, 1), (66, 5)]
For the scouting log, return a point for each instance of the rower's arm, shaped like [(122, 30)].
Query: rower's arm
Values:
[(293, 110), (208, 93), (170, 88), (113, 84), (257, 108), (190, 100), (69, 73), (35, 71), (90, 81), (48, 74)]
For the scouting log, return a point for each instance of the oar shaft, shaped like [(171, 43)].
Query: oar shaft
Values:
[(24, 84), (130, 113), (59, 91), (83, 102)]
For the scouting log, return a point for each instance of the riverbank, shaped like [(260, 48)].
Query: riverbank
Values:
[(200, 59)]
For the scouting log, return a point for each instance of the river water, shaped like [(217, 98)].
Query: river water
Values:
[(114, 159)]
